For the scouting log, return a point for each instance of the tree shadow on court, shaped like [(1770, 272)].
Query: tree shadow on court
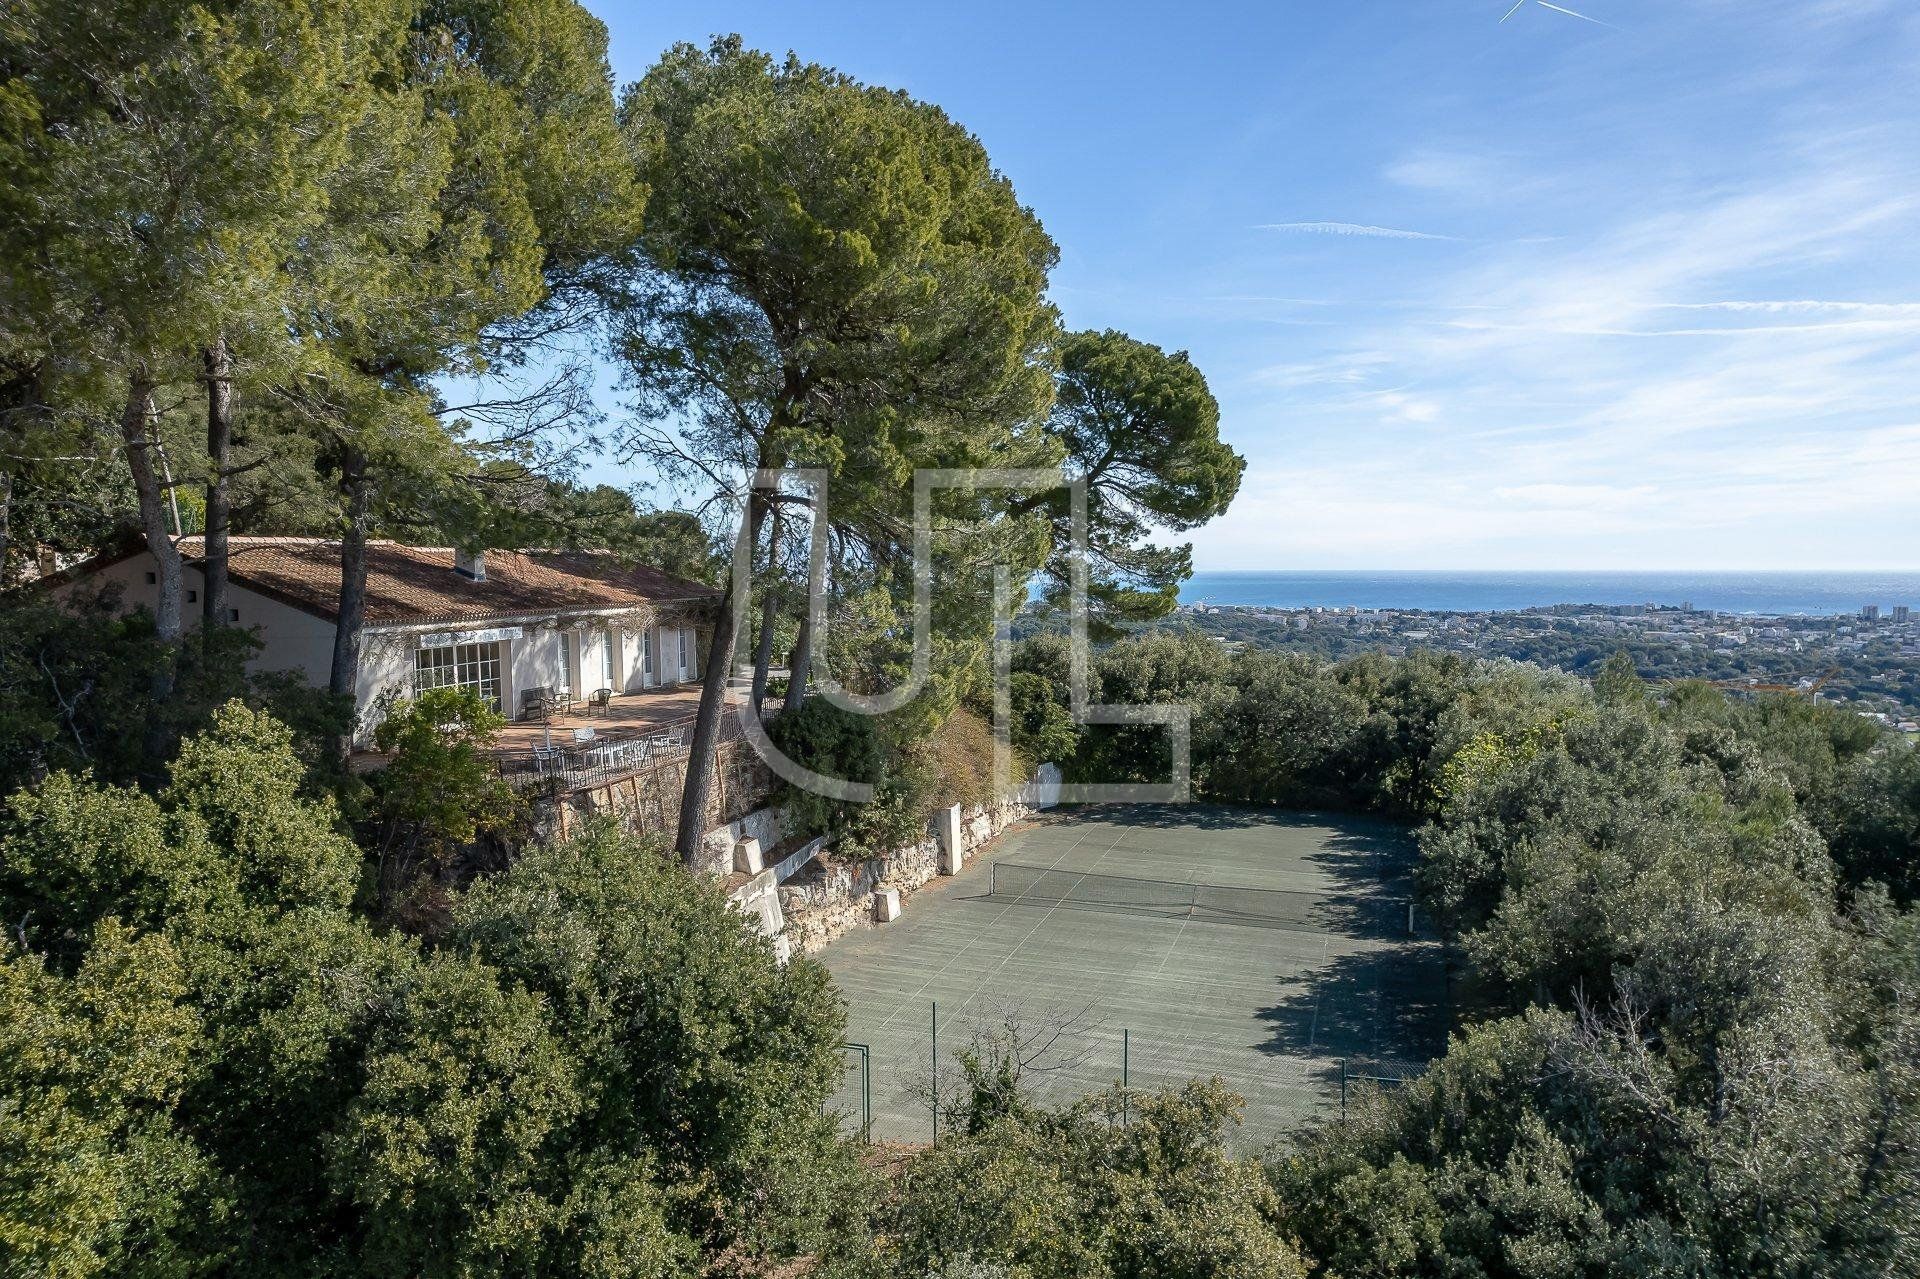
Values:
[(1367, 855), (1386, 1002), (1205, 816), (1368, 862), (1363, 845), (1176, 816)]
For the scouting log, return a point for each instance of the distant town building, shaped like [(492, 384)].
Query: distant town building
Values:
[(1869, 612), (1901, 613)]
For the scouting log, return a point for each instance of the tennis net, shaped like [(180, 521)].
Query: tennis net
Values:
[(1272, 907)]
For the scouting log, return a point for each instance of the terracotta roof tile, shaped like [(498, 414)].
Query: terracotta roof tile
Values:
[(418, 584)]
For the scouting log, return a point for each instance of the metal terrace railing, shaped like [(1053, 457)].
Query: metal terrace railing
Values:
[(578, 758), (572, 762)]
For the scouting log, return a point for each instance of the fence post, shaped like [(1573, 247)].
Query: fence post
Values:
[(866, 1089), (935, 1080), (1343, 1088), (1126, 1062), (866, 1096)]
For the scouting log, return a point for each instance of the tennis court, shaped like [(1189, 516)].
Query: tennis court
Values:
[(1158, 943)]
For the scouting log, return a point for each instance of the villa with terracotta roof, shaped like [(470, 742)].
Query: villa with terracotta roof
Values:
[(505, 623)]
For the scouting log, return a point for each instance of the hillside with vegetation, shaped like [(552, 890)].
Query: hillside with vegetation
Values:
[(264, 1014), (1870, 665), (1685, 928)]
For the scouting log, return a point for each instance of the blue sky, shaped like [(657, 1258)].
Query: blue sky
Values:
[(1541, 293)]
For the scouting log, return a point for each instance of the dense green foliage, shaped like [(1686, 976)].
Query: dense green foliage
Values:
[(1691, 997), (215, 1064), (835, 743), (1122, 1183), (1141, 431), (76, 693), (440, 791), (910, 776)]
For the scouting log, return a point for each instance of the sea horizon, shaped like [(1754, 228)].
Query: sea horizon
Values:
[(1766, 592)]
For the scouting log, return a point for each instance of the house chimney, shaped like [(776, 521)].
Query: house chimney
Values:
[(471, 565)]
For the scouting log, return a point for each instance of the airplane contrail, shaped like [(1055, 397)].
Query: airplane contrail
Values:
[(1517, 6), (1571, 14)]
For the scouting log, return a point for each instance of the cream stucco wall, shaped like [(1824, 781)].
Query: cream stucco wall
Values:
[(294, 640), (290, 639), (663, 669)]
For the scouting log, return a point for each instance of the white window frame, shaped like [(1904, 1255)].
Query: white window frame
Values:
[(480, 667), (566, 661), (685, 654)]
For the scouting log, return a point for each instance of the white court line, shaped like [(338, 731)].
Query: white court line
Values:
[(979, 935), (1021, 944), (1175, 945)]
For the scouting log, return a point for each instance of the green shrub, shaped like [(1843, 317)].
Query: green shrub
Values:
[(1042, 725), (1018, 1189), (439, 791)]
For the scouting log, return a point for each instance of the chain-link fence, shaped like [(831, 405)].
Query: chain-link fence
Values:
[(1362, 1079), (1058, 1057), (851, 1101)]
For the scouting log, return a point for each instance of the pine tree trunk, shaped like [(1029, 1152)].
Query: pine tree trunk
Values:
[(18, 396), (713, 695), (357, 490), (769, 613), (213, 564), (6, 526), (799, 660), (136, 431)]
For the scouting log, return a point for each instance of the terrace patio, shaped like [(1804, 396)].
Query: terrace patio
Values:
[(628, 714), (586, 746)]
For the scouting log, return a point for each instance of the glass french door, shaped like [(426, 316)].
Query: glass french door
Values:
[(474, 666)]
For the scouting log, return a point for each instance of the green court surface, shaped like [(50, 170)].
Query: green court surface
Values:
[(1280, 991)]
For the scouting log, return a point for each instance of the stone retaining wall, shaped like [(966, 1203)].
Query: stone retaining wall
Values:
[(647, 801), (830, 898)]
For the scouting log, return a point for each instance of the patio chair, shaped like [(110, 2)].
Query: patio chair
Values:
[(673, 739), (546, 759), (601, 699), (620, 751), (585, 736), (536, 703)]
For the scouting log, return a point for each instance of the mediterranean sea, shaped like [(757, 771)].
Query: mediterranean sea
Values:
[(1778, 594)]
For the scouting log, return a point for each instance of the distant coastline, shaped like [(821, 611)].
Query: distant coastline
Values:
[(1779, 594)]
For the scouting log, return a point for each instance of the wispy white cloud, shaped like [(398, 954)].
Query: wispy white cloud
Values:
[(1800, 307), (1351, 369), (1571, 14), (1451, 172), (1398, 406), (1351, 228), (1560, 406)]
